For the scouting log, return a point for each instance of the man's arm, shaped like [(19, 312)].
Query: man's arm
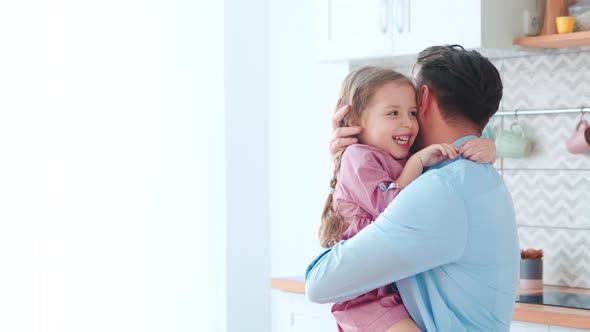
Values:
[(424, 227)]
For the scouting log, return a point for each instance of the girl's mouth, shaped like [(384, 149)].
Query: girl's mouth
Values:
[(401, 139)]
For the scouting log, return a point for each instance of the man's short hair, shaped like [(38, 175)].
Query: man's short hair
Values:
[(466, 85)]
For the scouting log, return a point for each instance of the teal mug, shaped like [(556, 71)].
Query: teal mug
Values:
[(512, 143), (487, 133)]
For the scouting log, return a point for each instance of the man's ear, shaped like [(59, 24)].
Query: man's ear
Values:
[(424, 98)]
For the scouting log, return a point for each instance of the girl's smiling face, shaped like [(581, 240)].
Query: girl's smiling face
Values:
[(389, 121)]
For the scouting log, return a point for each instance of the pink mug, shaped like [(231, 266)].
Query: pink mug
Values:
[(579, 142)]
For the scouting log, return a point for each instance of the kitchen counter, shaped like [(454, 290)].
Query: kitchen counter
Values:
[(532, 313)]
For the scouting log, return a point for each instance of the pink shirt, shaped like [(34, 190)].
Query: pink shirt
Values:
[(361, 195)]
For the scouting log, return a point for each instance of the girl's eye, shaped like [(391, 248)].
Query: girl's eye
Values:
[(414, 113), (392, 113)]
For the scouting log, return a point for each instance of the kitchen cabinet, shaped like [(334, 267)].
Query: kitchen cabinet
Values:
[(352, 30), (293, 312)]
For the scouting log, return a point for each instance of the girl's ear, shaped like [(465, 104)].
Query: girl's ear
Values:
[(352, 122)]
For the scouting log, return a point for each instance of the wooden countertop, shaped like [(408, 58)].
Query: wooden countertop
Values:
[(532, 313)]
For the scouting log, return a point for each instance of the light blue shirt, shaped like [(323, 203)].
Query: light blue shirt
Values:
[(448, 239)]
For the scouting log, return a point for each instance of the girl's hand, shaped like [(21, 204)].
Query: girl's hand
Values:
[(341, 136), (435, 153), (480, 150)]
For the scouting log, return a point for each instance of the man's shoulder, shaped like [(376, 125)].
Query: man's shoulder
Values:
[(465, 176)]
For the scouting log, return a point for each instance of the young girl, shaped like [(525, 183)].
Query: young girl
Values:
[(369, 175)]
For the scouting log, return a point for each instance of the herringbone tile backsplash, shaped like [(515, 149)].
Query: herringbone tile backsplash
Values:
[(546, 81), (551, 187)]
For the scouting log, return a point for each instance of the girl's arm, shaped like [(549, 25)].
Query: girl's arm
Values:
[(480, 150), (430, 155)]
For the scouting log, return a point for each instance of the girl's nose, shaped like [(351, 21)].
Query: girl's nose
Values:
[(407, 123)]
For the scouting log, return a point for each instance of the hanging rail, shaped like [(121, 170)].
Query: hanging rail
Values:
[(581, 110)]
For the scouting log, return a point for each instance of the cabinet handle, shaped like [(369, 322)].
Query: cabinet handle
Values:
[(384, 14), (330, 19), (399, 16), (408, 16)]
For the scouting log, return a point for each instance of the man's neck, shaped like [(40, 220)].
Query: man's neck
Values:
[(450, 134), (438, 130), (445, 133)]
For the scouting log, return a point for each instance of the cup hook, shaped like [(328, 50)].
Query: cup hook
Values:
[(516, 116), (582, 113), (516, 124)]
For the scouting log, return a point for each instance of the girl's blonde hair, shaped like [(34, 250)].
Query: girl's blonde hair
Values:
[(357, 90)]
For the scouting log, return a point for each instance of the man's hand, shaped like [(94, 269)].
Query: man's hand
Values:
[(341, 136)]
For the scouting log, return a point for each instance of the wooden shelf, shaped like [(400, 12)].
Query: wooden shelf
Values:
[(574, 39)]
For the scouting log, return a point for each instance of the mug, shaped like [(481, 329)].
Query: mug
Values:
[(565, 24), (512, 143), (487, 133), (579, 142)]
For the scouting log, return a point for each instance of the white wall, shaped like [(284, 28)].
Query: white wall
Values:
[(302, 95), (107, 110), (246, 78)]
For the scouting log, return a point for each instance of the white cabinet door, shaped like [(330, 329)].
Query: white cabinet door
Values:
[(305, 323), (294, 313), (528, 327), (424, 23), (352, 29)]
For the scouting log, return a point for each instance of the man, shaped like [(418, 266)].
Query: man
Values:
[(449, 239)]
